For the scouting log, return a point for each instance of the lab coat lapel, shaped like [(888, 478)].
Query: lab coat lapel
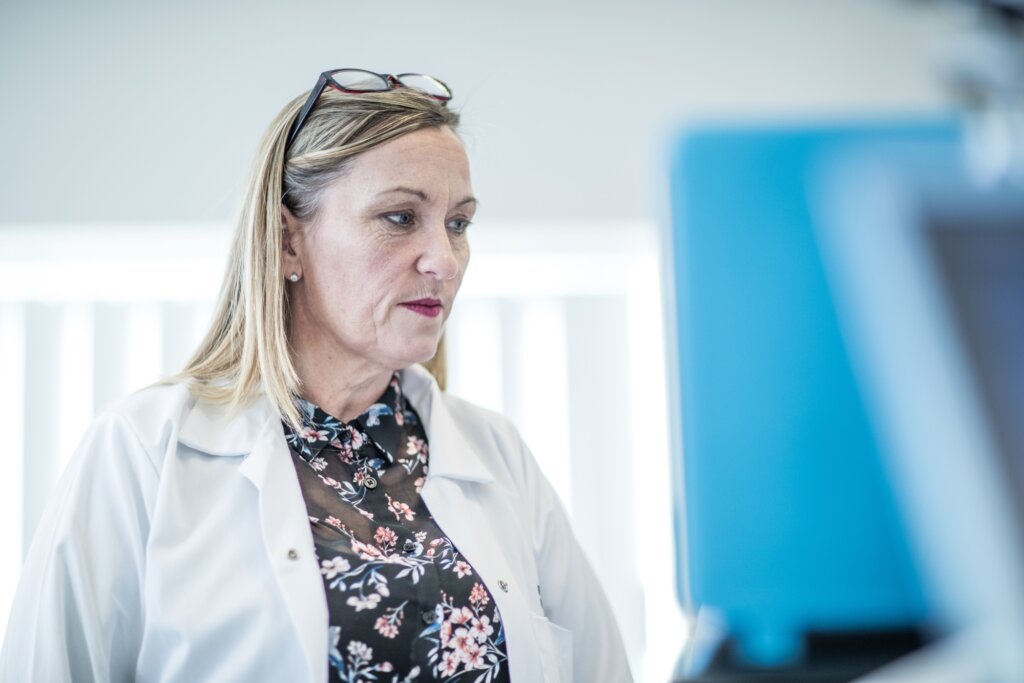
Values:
[(450, 452), (457, 509), (459, 496), (285, 526), (257, 435)]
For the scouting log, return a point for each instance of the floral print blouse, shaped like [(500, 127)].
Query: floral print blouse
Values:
[(404, 605)]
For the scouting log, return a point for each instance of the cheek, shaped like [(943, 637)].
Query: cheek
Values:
[(463, 265), (343, 296), (462, 254)]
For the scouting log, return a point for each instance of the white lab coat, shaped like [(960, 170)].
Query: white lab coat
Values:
[(176, 547)]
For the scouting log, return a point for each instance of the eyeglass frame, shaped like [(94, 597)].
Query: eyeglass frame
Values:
[(327, 79)]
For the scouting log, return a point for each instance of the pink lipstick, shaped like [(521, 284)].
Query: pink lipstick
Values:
[(430, 308)]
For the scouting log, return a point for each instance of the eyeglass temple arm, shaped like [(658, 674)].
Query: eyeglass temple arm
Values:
[(314, 95)]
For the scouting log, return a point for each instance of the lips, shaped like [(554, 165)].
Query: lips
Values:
[(430, 308)]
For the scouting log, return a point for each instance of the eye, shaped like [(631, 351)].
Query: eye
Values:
[(399, 217), (459, 225)]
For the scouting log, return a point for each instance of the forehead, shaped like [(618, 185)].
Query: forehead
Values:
[(429, 156)]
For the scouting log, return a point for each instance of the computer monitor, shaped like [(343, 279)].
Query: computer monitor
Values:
[(980, 263), (928, 271), (786, 519)]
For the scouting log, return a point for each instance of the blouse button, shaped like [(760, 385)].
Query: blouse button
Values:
[(429, 616), (292, 554), (370, 483), (409, 545)]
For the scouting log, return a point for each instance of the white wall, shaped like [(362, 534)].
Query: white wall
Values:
[(149, 111)]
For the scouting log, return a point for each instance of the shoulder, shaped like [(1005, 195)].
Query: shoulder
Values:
[(118, 462), (472, 420), (496, 442), (481, 422), (147, 421), (154, 408), (469, 439)]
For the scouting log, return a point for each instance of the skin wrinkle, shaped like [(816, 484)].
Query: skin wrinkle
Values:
[(348, 330)]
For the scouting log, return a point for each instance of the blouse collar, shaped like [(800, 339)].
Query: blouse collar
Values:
[(384, 424)]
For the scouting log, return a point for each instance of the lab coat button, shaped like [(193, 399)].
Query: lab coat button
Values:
[(292, 554), (370, 483)]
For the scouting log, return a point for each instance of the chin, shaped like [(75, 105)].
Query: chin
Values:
[(418, 354)]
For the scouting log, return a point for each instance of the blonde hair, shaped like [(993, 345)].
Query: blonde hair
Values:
[(247, 346)]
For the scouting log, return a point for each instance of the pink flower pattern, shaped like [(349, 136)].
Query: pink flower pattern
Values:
[(378, 547)]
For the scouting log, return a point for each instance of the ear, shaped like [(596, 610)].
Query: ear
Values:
[(291, 243)]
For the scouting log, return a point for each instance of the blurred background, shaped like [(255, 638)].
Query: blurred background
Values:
[(127, 129)]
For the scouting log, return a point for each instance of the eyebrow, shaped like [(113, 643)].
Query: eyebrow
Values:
[(423, 195)]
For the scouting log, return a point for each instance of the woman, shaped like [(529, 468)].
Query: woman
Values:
[(305, 503)]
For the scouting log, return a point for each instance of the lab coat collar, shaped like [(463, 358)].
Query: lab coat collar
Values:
[(217, 430), (450, 453)]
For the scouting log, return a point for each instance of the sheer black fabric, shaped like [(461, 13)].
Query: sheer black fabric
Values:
[(404, 605)]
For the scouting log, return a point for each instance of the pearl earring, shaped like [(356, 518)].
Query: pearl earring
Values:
[(294, 277)]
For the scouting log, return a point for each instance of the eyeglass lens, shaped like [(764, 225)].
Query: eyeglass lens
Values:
[(426, 84), (360, 81), (365, 81)]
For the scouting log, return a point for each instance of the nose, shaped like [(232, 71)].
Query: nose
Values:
[(439, 258)]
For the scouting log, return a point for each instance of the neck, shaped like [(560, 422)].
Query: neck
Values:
[(345, 400), (337, 385)]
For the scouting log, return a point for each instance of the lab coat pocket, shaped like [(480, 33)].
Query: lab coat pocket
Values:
[(555, 645)]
